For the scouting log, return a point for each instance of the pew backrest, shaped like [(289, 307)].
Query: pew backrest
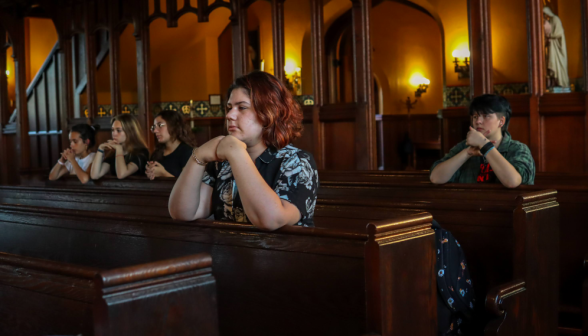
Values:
[(44, 297)]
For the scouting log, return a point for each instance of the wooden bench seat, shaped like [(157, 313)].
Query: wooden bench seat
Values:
[(43, 297), (295, 281)]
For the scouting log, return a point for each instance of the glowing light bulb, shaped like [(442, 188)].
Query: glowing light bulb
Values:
[(460, 53), (417, 79)]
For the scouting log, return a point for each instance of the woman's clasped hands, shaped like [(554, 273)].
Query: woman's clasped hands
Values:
[(112, 145), (220, 149)]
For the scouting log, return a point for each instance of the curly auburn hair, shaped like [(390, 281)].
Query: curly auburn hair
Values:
[(177, 129), (278, 112)]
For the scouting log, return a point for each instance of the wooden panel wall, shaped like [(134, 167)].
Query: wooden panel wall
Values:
[(424, 135), (538, 117)]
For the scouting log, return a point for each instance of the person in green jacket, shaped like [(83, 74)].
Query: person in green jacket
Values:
[(488, 154)]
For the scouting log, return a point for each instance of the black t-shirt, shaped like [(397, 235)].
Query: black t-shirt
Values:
[(140, 159), (176, 160), (290, 172)]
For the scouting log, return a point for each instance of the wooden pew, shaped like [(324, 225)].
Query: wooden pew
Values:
[(295, 281), (572, 198), (490, 260), (43, 297), (503, 241), (503, 303)]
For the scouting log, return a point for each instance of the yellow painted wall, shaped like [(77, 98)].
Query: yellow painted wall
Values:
[(41, 38), (259, 15), (570, 13), (509, 41), (184, 60), (406, 41), (454, 17), (297, 39)]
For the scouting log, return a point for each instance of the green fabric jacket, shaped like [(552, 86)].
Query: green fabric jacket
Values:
[(517, 153)]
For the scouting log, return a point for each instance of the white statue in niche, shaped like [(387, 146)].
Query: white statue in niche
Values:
[(556, 53)]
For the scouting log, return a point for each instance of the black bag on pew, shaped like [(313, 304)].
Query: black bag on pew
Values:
[(455, 299)]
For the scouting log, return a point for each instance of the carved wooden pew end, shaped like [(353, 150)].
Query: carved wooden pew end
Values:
[(175, 296)]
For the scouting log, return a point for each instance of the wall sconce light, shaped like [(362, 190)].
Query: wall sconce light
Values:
[(7, 73), (422, 85), (293, 80), (462, 68), (422, 88)]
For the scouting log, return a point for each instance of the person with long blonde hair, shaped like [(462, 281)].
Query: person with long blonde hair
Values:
[(126, 154)]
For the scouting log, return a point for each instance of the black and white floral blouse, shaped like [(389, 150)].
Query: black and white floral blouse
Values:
[(290, 171)]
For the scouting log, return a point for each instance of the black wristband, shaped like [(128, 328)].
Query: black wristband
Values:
[(101, 151), (486, 148)]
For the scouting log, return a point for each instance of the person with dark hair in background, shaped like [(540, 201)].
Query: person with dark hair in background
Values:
[(77, 159), (174, 148), (253, 174), (489, 154)]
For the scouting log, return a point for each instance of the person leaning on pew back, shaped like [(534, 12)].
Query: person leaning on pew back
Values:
[(253, 174), (77, 159), (175, 142), (127, 152), (488, 154)]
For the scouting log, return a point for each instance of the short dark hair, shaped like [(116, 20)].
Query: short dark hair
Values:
[(492, 103), (86, 132)]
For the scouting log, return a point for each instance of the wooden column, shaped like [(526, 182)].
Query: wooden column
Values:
[(278, 38), (65, 66), (365, 122), (536, 79), (318, 77), (144, 73), (4, 111), (114, 44), (481, 47), (22, 122), (239, 29), (90, 60)]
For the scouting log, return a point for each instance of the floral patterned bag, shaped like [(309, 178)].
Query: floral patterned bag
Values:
[(455, 304)]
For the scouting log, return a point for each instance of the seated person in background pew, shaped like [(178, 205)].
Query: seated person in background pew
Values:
[(175, 144), (77, 159), (253, 174), (489, 154), (127, 153)]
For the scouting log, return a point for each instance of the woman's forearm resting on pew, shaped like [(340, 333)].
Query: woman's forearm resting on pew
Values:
[(82, 175), (99, 168), (263, 206), (57, 171), (190, 198)]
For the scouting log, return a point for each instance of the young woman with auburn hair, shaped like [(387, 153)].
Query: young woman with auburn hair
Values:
[(126, 154), (253, 174), (174, 145)]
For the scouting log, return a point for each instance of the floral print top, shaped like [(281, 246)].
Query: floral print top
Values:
[(290, 172)]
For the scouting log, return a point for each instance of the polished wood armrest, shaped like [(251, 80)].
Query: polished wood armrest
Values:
[(505, 303)]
